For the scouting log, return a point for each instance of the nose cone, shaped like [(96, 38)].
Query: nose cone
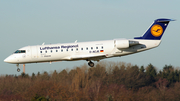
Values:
[(9, 59)]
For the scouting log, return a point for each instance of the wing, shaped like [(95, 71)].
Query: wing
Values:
[(86, 57)]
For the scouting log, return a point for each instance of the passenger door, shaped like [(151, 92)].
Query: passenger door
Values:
[(34, 53)]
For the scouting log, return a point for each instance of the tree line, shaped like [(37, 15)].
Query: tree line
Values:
[(107, 81)]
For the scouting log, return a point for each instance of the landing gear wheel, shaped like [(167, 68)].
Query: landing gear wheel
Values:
[(18, 70), (91, 64)]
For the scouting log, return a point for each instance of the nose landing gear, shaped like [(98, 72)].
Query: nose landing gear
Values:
[(18, 69)]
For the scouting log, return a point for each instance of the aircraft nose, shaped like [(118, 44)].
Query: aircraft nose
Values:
[(9, 59)]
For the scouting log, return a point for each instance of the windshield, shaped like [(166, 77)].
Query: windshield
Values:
[(20, 51)]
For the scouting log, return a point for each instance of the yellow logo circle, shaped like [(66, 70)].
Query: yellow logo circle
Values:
[(156, 30)]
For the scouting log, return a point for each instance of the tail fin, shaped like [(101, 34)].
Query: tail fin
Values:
[(155, 32)]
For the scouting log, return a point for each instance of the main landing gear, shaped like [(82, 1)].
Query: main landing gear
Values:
[(90, 63)]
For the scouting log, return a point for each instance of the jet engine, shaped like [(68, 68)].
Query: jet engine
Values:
[(124, 43)]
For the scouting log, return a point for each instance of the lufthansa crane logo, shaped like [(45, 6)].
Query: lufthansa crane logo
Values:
[(156, 30)]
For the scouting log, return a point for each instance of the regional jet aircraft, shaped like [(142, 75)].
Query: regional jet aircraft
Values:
[(90, 51)]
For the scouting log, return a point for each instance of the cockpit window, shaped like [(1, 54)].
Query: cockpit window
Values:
[(20, 51)]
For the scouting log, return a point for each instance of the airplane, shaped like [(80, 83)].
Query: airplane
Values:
[(90, 51)]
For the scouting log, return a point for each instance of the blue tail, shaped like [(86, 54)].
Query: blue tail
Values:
[(155, 32)]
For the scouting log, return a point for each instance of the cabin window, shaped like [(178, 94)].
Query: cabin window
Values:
[(66, 49), (91, 47), (102, 47), (81, 48), (40, 51), (51, 51), (87, 48), (56, 50), (71, 49), (96, 47), (46, 51), (61, 50), (76, 49)]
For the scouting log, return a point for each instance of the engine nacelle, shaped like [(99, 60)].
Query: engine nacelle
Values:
[(120, 44), (124, 43)]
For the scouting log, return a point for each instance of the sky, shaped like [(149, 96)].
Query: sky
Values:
[(33, 22)]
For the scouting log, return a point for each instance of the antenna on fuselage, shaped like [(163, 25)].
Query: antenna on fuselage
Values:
[(76, 41), (43, 43)]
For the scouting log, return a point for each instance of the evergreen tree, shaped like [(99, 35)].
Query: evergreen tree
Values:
[(38, 74), (168, 73), (142, 69), (151, 72), (33, 76), (176, 76)]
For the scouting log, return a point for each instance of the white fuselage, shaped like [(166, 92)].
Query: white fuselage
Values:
[(95, 50)]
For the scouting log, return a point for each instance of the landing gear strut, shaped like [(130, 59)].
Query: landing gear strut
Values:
[(18, 69), (90, 63)]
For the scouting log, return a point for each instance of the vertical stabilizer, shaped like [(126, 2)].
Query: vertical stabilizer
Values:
[(156, 30)]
